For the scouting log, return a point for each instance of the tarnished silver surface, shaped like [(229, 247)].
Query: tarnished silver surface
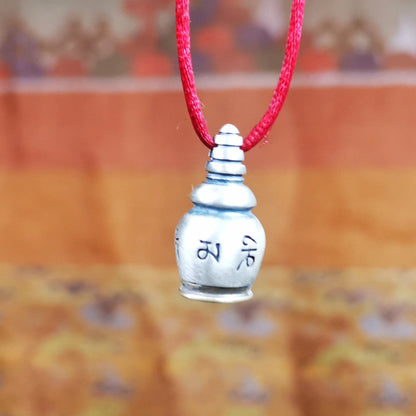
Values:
[(219, 243)]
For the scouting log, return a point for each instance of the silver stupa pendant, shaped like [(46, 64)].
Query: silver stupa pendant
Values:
[(219, 243)]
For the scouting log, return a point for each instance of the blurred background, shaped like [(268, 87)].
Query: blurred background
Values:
[(97, 162)]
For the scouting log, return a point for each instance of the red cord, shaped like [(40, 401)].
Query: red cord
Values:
[(260, 131)]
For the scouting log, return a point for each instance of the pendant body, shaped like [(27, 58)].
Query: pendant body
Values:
[(220, 243)]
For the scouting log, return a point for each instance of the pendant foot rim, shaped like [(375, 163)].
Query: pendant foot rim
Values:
[(215, 294)]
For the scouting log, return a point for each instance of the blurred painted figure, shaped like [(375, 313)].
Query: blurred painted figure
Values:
[(20, 50), (361, 47)]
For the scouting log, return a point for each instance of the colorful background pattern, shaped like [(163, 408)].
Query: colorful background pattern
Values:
[(97, 161), (118, 341), (119, 38)]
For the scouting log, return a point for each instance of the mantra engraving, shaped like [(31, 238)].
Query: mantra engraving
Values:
[(213, 249), (177, 247), (203, 253), (248, 243)]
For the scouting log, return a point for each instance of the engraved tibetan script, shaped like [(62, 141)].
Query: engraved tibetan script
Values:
[(249, 247), (209, 249), (177, 247)]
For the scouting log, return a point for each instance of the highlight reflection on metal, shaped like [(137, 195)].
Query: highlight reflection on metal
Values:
[(219, 243)]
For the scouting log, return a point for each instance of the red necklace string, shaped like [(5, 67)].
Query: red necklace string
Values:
[(260, 131)]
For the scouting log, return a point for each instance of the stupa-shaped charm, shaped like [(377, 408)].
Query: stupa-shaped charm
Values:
[(219, 243)]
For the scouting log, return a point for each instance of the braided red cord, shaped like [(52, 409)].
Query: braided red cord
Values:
[(260, 131)]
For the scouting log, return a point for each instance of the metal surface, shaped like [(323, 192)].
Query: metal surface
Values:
[(219, 243)]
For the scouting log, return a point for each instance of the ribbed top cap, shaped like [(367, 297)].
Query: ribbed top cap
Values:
[(224, 187), (226, 156), (228, 136)]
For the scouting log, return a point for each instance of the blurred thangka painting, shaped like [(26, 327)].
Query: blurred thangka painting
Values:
[(136, 38)]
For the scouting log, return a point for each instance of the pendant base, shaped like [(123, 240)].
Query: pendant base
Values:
[(215, 294)]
